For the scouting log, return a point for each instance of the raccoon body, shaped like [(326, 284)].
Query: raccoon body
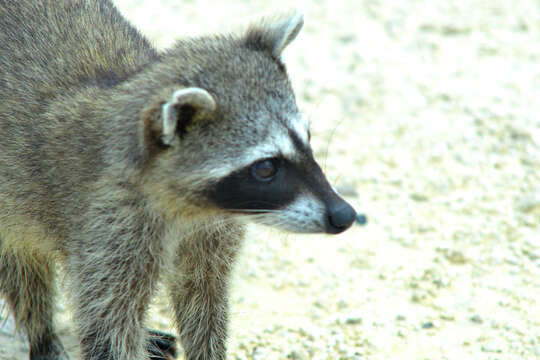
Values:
[(129, 166)]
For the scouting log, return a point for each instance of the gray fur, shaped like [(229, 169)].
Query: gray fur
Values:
[(90, 175)]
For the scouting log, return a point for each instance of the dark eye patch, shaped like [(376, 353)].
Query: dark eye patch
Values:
[(242, 190)]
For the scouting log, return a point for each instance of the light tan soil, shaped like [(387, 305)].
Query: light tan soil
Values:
[(425, 115)]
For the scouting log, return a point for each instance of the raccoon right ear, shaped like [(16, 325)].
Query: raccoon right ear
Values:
[(185, 108), (274, 34)]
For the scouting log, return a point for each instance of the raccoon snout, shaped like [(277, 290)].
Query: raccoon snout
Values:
[(340, 217)]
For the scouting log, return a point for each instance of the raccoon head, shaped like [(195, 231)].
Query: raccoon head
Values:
[(231, 130)]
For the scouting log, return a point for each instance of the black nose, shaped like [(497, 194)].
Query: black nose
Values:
[(341, 215)]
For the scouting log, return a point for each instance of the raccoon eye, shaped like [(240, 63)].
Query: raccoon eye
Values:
[(264, 170)]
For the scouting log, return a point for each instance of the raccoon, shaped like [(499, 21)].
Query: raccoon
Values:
[(127, 166)]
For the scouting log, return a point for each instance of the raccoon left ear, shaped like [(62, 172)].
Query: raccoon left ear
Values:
[(185, 107), (275, 34)]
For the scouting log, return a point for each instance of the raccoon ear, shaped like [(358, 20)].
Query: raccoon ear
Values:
[(185, 108), (275, 34)]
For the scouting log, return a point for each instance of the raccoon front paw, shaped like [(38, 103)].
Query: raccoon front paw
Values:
[(49, 348), (162, 346)]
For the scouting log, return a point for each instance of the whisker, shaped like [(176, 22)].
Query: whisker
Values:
[(256, 211), (332, 133)]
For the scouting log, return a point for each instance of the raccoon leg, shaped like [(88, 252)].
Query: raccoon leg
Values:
[(27, 284), (114, 269), (199, 292), (111, 293)]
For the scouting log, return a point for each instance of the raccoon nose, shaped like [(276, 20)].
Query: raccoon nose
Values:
[(341, 215)]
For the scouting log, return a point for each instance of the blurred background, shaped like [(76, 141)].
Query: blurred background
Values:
[(425, 116)]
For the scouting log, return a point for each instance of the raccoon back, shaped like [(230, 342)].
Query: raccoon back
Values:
[(58, 60)]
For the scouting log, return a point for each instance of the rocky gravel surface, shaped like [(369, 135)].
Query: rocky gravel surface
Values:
[(425, 116)]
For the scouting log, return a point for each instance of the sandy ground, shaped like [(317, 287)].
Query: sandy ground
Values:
[(425, 116)]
